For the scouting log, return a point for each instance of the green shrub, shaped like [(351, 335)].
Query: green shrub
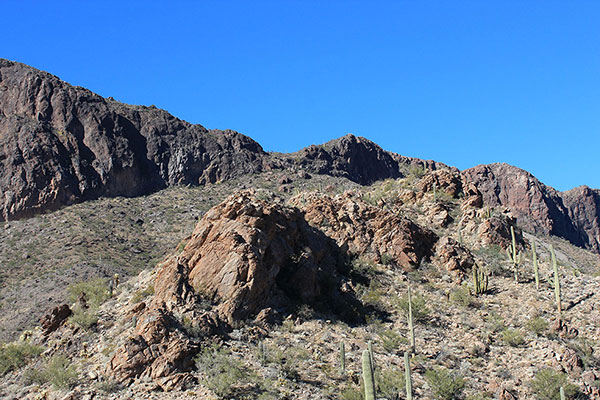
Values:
[(15, 355), (444, 384), (462, 296), (351, 393), (58, 371), (222, 372), (547, 382), (420, 311), (537, 325), (142, 294), (391, 340), (84, 318), (387, 259), (390, 383), (513, 337), (95, 291)]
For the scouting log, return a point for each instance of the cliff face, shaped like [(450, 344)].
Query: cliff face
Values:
[(584, 210), (572, 215), (61, 144)]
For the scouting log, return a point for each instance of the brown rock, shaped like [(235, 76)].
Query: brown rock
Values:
[(363, 229), (455, 257), (572, 215), (55, 318), (444, 180), (247, 255), (131, 359), (571, 362)]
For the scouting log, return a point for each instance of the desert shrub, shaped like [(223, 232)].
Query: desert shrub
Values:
[(420, 311), (495, 321), (222, 372), (84, 318), (288, 361), (142, 294), (462, 296), (391, 340), (537, 325), (57, 370), (547, 383), (351, 393), (390, 383), (444, 384), (17, 354), (108, 386), (416, 171), (513, 337), (363, 267), (95, 291), (495, 259), (387, 259)]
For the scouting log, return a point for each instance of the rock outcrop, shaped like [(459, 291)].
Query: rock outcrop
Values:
[(583, 205), (53, 320), (357, 159), (573, 215), (363, 229), (247, 257), (61, 144)]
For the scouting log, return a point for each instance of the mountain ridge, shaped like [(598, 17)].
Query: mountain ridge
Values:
[(62, 144)]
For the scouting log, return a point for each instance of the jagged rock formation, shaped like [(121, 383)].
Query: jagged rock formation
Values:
[(584, 210), (363, 229), (572, 215), (61, 145), (250, 258), (357, 159)]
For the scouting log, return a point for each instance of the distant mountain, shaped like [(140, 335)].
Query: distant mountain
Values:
[(61, 144), (573, 215)]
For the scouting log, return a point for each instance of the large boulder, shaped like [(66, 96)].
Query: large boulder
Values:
[(363, 229)]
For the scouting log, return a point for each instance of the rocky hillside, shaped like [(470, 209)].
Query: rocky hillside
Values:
[(61, 145), (573, 215), (256, 301)]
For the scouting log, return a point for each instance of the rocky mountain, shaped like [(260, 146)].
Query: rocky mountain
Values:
[(256, 300), (61, 145), (573, 215)]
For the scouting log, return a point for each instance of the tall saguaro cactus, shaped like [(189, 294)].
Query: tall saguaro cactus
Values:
[(556, 282), (407, 377), (411, 326), (514, 257), (535, 266), (342, 358), (368, 375), (480, 280)]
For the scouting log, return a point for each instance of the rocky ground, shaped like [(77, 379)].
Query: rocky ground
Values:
[(255, 296)]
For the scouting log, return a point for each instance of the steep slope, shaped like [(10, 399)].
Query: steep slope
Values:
[(584, 210), (61, 144), (572, 215), (357, 159)]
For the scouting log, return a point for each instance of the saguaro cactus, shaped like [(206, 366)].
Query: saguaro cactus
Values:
[(535, 266), (407, 377), (411, 326), (368, 375), (556, 282), (342, 357), (514, 257), (480, 280), (371, 354)]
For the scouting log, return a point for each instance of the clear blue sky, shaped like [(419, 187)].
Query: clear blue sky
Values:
[(462, 82)]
